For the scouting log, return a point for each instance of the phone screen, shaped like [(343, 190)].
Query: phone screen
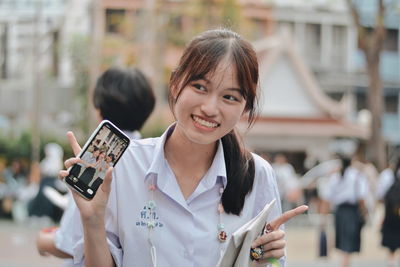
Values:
[(103, 150)]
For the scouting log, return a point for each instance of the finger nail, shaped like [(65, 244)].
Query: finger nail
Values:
[(268, 228)]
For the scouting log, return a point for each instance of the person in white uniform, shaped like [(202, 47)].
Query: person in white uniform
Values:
[(126, 98), (388, 192), (347, 195), (175, 200)]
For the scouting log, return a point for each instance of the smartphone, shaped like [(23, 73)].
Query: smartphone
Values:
[(102, 150)]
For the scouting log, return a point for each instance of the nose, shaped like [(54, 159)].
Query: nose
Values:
[(210, 106)]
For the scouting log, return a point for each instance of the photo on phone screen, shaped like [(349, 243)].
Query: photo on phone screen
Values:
[(103, 150)]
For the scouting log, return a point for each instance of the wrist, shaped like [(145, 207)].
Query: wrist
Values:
[(93, 221)]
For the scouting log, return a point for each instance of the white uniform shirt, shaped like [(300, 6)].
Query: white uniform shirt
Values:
[(386, 179), (70, 225), (186, 230), (350, 188)]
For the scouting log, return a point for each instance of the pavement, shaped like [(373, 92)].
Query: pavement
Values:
[(302, 249), (17, 247)]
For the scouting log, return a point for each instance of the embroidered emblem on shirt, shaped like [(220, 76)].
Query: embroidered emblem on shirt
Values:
[(148, 215)]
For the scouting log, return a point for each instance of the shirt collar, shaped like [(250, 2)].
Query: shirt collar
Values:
[(217, 169), (133, 135)]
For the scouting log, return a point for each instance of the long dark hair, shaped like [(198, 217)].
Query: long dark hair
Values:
[(202, 56), (346, 162)]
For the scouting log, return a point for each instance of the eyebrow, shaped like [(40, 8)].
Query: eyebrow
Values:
[(240, 91)]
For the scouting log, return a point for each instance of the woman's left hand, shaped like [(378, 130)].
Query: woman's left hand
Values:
[(272, 241)]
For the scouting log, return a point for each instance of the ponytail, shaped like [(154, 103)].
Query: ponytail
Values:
[(346, 162), (240, 173)]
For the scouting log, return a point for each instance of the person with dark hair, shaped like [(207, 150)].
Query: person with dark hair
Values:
[(175, 200), (388, 191), (126, 98), (348, 191)]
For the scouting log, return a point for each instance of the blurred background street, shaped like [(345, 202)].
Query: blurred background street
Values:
[(17, 247), (329, 82)]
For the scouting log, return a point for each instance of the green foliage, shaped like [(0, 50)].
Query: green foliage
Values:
[(16, 148), (79, 50), (21, 147)]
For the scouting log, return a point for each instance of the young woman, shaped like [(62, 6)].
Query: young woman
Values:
[(92, 167), (101, 172), (173, 199), (389, 192), (348, 192)]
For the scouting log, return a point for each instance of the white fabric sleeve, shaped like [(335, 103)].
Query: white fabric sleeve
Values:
[(386, 179), (65, 234), (363, 189), (111, 226)]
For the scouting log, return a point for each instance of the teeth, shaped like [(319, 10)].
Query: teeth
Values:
[(205, 123)]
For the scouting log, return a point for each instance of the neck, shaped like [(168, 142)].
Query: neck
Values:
[(189, 161)]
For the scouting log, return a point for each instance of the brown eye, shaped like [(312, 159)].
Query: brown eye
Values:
[(199, 87), (231, 98)]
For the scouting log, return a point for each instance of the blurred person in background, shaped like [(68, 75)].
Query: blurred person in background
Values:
[(347, 196), (126, 98), (40, 207), (13, 179), (288, 183), (388, 191)]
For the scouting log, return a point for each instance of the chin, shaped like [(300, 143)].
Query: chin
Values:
[(203, 139)]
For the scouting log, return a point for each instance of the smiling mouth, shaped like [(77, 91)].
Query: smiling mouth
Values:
[(205, 123)]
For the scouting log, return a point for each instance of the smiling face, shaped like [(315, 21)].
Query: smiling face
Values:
[(109, 158), (209, 107), (214, 84), (96, 153)]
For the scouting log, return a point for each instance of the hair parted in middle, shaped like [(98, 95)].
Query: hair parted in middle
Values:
[(201, 57)]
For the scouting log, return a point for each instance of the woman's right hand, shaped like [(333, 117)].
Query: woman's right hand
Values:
[(92, 211)]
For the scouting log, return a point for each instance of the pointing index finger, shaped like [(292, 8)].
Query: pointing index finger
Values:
[(287, 216)]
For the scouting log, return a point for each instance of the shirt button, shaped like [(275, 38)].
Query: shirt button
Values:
[(186, 254)]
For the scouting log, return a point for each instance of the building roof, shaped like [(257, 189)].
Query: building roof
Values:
[(293, 102)]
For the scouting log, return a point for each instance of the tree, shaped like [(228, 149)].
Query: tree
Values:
[(371, 43)]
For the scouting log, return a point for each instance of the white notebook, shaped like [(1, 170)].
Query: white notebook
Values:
[(237, 253)]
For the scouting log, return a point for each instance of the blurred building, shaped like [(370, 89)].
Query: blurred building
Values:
[(327, 39), (150, 34), (297, 117), (35, 36)]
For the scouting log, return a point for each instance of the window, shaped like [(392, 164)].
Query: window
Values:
[(114, 19), (392, 40), (338, 46), (391, 100), (313, 42), (3, 51), (361, 98)]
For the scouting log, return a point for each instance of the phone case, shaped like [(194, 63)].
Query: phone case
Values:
[(103, 149)]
